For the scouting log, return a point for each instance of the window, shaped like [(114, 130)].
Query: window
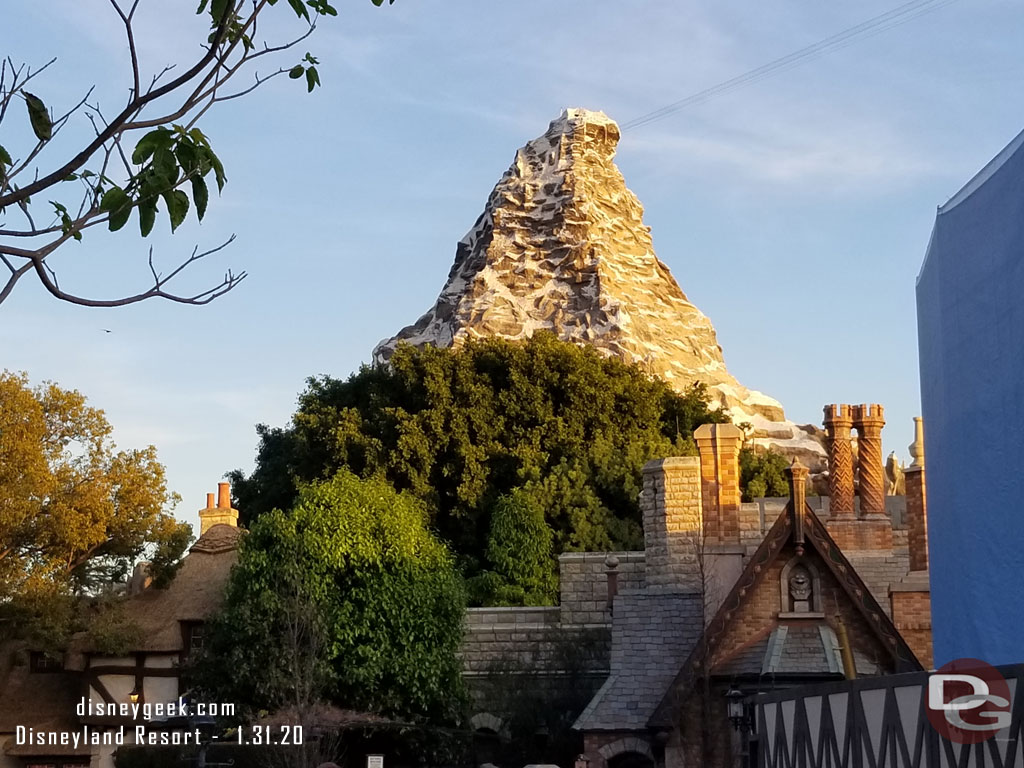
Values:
[(194, 636), (41, 662)]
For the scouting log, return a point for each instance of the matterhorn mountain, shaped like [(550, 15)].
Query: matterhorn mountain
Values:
[(561, 246)]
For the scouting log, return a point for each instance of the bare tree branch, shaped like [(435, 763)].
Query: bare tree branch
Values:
[(157, 291), (131, 45)]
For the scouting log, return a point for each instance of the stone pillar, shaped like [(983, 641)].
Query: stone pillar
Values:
[(838, 423), (868, 420), (222, 514), (673, 522), (917, 502), (719, 448)]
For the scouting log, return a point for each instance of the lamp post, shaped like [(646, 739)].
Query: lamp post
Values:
[(740, 718), (736, 710)]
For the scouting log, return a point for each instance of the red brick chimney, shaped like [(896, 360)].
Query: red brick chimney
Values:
[(719, 448), (222, 514), (868, 420), (838, 423), (872, 529)]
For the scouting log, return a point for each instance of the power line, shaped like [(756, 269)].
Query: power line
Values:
[(873, 26)]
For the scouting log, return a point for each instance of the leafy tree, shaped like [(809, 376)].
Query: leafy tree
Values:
[(519, 555), (459, 428), (151, 156), (74, 510), (762, 474), (350, 600)]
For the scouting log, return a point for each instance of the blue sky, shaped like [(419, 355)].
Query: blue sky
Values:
[(794, 212)]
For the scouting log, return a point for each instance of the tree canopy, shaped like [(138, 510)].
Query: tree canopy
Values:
[(459, 428), (763, 474), (146, 160), (350, 600), (74, 510), (519, 567)]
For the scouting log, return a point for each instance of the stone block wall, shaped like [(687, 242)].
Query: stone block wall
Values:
[(522, 635), (671, 503), (516, 655), (584, 583)]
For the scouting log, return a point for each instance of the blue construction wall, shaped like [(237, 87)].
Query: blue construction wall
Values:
[(970, 309)]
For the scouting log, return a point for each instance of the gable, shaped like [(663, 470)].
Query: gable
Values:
[(753, 608)]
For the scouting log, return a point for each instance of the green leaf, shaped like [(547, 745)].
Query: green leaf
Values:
[(300, 9), (161, 138), (187, 156), (218, 170), (198, 137), (312, 79), (177, 207), (217, 10), (119, 218), (322, 7), (38, 115), (165, 166), (113, 199), (201, 195), (147, 215), (5, 159), (296, 72), (116, 202)]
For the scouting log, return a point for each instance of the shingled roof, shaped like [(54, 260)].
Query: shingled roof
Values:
[(652, 635)]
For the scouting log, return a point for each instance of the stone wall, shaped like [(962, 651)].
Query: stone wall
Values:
[(584, 583)]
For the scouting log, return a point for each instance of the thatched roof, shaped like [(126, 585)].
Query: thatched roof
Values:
[(196, 592)]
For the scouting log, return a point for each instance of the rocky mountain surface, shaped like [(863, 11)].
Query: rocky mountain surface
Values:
[(561, 245)]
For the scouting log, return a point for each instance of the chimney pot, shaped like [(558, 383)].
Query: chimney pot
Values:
[(224, 495), (209, 501)]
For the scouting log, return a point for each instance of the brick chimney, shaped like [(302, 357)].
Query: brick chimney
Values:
[(222, 514), (672, 514), (872, 529), (868, 420), (917, 502), (719, 448), (838, 423)]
